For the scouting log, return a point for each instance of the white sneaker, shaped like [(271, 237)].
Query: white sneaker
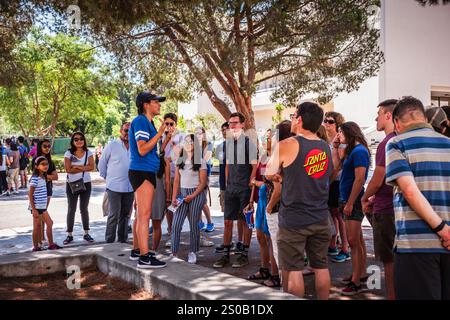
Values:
[(192, 258), (16, 192), (169, 243), (205, 243)]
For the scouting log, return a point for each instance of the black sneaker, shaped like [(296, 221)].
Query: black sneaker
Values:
[(149, 261), (135, 254), (68, 240), (239, 248), (241, 261), (348, 279), (221, 248), (88, 238), (222, 262), (351, 289)]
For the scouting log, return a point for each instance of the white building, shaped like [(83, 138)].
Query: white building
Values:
[(416, 45)]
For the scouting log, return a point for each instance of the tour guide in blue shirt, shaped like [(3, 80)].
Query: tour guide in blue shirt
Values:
[(144, 164)]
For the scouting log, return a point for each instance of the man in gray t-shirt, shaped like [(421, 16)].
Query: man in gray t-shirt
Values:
[(241, 162), (306, 166)]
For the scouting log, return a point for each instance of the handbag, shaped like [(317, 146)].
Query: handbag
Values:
[(162, 161), (105, 204), (78, 186)]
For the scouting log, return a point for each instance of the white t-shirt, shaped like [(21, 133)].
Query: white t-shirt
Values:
[(78, 162), (190, 179), (177, 140)]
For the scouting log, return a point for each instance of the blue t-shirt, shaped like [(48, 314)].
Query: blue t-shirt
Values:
[(359, 157), (22, 150), (142, 129)]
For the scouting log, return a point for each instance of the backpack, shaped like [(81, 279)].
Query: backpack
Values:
[(24, 161)]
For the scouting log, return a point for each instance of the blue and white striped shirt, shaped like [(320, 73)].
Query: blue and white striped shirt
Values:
[(424, 154), (40, 192)]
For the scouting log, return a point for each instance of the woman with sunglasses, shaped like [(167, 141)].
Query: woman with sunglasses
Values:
[(44, 149), (161, 198), (333, 120), (190, 177), (207, 151), (78, 162), (355, 166)]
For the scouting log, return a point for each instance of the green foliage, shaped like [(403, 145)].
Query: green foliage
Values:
[(65, 89), (319, 46), (182, 125), (276, 119)]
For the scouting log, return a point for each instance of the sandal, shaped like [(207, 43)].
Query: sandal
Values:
[(273, 282), (262, 274)]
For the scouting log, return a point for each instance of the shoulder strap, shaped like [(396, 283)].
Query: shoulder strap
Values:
[(247, 150), (85, 160)]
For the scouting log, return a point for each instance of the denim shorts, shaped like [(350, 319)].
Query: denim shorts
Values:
[(357, 212)]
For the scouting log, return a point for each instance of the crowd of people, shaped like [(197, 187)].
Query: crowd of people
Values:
[(306, 178)]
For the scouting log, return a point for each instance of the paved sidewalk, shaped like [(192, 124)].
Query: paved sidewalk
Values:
[(16, 231)]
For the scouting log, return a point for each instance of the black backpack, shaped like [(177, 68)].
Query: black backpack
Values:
[(24, 161)]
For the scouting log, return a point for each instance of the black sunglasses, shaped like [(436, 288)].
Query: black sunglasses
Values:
[(329, 121), (170, 124), (46, 146), (78, 139)]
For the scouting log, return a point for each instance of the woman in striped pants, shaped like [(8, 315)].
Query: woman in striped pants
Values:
[(190, 176)]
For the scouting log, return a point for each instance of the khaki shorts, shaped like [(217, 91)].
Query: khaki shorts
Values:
[(13, 176), (384, 236), (292, 244)]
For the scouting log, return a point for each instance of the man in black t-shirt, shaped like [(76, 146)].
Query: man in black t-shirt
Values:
[(241, 162)]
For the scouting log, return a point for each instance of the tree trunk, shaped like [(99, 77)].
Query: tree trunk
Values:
[(244, 106)]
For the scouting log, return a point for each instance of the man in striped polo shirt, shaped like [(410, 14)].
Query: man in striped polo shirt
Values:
[(418, 167)]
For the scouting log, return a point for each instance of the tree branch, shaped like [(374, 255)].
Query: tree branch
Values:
[(202, 79)]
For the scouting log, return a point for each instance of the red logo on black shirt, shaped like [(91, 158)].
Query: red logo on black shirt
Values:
[(316, 163)]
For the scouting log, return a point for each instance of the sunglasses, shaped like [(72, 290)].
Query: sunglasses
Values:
[(233, 122), (292, 116), (329, 121), (46, 146), (78, 139), (169, 124)]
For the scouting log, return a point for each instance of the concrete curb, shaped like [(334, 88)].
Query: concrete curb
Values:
[(179, 280)]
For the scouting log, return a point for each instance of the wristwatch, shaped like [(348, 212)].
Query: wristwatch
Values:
[(439, 227)]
